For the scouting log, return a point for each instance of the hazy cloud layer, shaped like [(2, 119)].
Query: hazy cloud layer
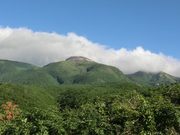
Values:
[(41, 48)]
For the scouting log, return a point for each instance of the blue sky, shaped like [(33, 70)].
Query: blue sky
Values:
[(138, 34), (152, 24)]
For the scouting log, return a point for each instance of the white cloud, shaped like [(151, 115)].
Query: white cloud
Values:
[(40, 48)]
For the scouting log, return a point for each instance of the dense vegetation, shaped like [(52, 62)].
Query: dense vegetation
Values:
[(79, 96), (114, 108)]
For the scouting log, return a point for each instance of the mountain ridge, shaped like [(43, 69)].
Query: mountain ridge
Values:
[(76, 70), (152, 78)]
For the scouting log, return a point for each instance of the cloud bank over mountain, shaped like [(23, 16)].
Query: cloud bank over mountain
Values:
[(41, 48)]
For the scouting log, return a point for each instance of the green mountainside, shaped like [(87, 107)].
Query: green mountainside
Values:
[(28, 96), (34, 77), (9, 69), (23, 73), (84, 71), (144, 78), (75, 70)]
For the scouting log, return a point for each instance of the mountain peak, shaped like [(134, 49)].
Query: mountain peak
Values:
[(78, 58)]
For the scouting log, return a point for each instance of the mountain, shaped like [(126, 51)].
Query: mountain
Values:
[(144, 78), (9, 69), (81, 70), (74, 70), (34, 77)]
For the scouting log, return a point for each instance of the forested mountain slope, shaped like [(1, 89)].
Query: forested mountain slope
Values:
[(76, 70), (144, 78), (84, 71), (8, 69)]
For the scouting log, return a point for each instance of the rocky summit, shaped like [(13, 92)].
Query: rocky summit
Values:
[(78, 58)]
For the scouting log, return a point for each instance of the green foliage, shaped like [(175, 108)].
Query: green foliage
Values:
[(28, 96), (120, 112), (122, 108), (72, 98), (172, 92), (37, 121), (108, 104)]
